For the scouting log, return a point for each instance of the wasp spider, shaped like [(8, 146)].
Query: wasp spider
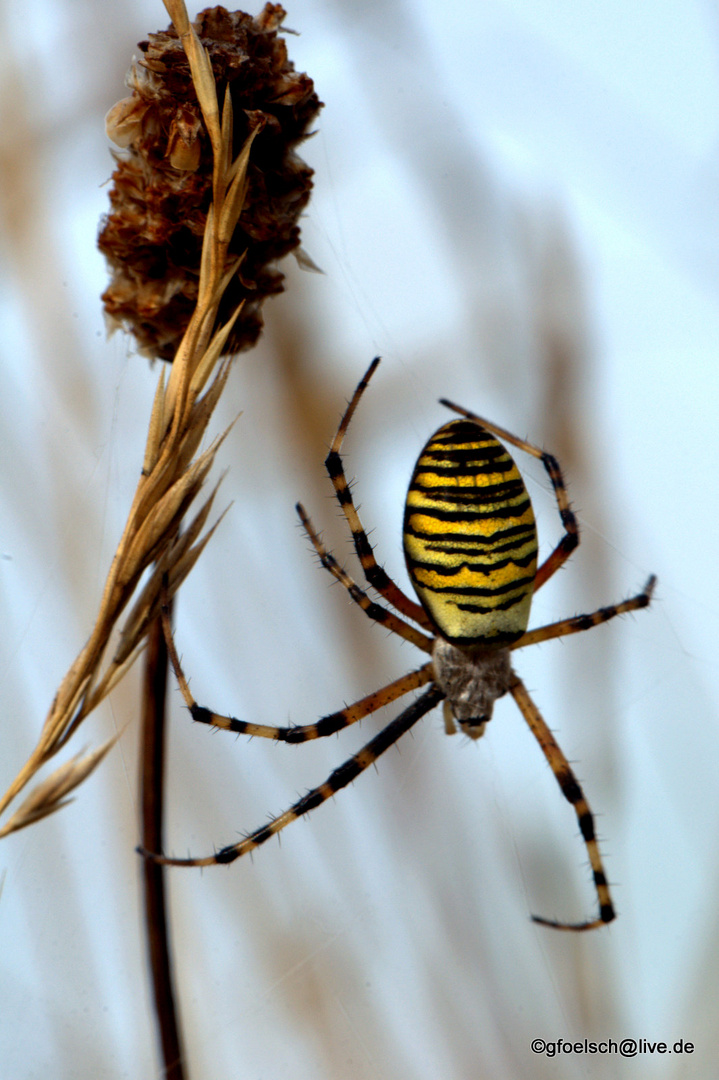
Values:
[(470, 543)]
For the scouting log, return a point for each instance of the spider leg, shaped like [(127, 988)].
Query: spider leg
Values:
[(570, 540), (586, 622), (341, 776), (373, 610), (328, 725), (573, 794), (374, 573)]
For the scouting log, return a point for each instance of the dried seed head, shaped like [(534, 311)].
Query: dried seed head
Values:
[(162, 189)]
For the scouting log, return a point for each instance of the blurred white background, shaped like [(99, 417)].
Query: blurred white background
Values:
[(516, 205)]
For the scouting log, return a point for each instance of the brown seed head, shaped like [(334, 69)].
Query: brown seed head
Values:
[(162, 186)]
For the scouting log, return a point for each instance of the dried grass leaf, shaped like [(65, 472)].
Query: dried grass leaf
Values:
[(169, 566), (157, 427), (177, 11), (51, 794)]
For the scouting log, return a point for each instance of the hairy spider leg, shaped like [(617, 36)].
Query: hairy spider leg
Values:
[(374, 574), (570, 540), (573, 794), (338, 779), (373, 610), (585, 622), (327, 725)]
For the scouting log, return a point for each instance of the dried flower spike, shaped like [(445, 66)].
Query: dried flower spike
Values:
[(162, 190)]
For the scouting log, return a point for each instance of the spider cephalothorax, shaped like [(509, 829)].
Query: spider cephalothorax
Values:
[(472, 680), (471, 550)]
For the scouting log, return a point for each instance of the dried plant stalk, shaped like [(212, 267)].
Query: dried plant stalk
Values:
[(174, 471)]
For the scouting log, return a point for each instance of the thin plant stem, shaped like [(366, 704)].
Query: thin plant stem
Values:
[(154, 700)]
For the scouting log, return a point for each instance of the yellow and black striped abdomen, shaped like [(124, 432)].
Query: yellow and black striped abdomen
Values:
[(470, 540)]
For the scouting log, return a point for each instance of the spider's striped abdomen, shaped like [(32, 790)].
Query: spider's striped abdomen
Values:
[(470, 540)]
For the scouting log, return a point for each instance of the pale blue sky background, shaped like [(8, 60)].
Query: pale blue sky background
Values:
[(516, 205)]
